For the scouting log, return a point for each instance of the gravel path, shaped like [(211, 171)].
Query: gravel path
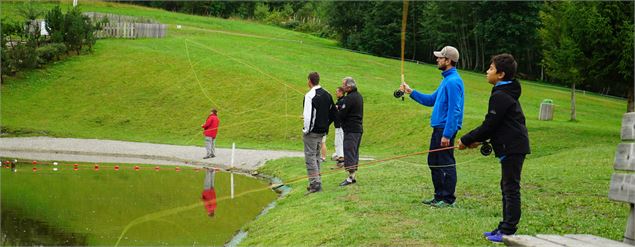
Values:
[(93, 150)]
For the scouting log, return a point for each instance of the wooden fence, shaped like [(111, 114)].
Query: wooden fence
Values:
[(129, 30), (128, 27)]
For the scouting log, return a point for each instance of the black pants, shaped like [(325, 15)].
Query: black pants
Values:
[(511, 167), (443, 168), (351, 150)]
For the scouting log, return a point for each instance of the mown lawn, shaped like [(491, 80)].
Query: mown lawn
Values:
[(562, 193)]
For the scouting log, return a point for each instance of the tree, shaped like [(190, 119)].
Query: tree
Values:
[(626, 63), (620, 21), (30, 14), (589, 44), (347, 20), (9, 29), (55, 24), (381, 34), (74, 30)]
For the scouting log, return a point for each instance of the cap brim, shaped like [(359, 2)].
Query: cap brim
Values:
[(438, 54)]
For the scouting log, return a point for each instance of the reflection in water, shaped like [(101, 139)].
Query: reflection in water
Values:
[(18, 230), (209, 193)]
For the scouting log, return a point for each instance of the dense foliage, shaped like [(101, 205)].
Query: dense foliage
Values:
[(24, 46)]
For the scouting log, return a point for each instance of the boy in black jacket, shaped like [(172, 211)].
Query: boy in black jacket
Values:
[(504, 125)]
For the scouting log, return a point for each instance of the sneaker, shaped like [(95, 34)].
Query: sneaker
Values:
[(212, 156), (207, 157), (493, 232), (311, 190), (348, 181), (430, 201), (497, 238), (443, 204)]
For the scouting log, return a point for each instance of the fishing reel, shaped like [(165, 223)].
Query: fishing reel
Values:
[(398, 94), (486, 148)]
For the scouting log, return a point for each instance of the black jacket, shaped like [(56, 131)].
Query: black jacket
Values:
[(504, 123), (319, 111), (352, 112), (338, 122)]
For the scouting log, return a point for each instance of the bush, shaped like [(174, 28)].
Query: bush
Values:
[(290, 24), (275, 18), (50, 52), (261, 11), (23, 56), (55, 24)]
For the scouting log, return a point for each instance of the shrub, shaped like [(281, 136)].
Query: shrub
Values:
[(50, 52), (23, 56), (261, 11)]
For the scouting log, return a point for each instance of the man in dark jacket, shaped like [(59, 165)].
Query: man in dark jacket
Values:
[(351, 113), (504, 126), (317, 115)]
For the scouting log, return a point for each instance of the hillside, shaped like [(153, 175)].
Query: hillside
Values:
[(160, 91)]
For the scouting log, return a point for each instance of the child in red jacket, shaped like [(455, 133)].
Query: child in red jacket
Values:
[(210, 130)]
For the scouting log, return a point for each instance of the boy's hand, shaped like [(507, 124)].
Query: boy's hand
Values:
[(474, 145), (445, 142), (463, 146), (460, 144)]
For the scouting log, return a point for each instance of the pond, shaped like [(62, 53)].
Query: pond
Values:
[(124, 206)]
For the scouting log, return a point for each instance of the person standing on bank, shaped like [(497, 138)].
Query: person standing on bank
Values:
[(318, 114), (504, 125), (210, 129), (351, 113), (446, 120), (338, 156)]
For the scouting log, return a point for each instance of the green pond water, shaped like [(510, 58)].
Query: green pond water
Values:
[(124, 207)]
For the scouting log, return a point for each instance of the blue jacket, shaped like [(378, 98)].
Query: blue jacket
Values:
[(447, 101)]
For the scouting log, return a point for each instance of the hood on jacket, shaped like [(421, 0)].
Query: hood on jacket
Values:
[(513, 89)]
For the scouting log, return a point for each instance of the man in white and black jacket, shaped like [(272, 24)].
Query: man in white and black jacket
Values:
[(318, 114)]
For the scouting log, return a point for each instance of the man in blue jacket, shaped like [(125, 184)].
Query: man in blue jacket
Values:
[(447, 118)]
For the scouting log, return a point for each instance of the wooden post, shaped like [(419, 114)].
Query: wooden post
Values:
[(622, 186), (629, 234), (232, 170)]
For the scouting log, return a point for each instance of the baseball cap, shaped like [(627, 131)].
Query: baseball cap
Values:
[(449, 52)]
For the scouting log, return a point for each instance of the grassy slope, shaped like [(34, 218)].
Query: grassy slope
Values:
[(101, 204), (147, 90)]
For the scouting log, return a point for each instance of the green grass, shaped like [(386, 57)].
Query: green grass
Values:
[(563, 193), (160, 91), (144, 207)]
